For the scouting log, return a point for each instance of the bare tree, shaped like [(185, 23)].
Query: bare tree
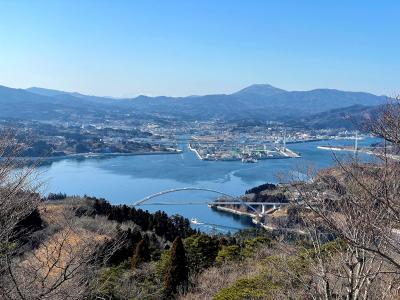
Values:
[(18, 197), (339, 269), (358, 203), (387, 124), (67, 256)]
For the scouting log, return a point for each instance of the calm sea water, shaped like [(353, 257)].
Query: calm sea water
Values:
[(126, 179)]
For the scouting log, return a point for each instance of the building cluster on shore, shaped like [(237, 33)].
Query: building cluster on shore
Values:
[(210, 140)]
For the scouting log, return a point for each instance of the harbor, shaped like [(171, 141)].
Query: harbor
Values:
[(250, 152)]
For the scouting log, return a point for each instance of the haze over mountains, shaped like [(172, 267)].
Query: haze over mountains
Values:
[(259, 102)]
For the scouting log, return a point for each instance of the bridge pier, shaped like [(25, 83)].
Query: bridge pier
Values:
[(263, 208)]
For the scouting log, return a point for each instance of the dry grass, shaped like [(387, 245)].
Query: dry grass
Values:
[(62, 250), (65, 261), (280, 213), (209, 282)]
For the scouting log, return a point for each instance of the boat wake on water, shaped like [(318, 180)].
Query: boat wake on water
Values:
[(195, 221)]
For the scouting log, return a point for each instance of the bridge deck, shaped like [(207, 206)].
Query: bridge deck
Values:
[(214, 203), (248, 203)]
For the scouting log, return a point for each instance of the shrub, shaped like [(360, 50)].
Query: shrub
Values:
[(249, 288), (228, 253)]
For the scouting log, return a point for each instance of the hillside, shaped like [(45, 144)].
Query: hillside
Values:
[(95, 242)]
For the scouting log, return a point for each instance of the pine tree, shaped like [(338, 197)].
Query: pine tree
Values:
[(141, 254), (177, 271)]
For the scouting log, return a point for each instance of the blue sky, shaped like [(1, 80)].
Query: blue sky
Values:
[(126, 48)]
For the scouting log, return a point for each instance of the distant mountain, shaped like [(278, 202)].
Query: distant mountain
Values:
[(49, 92), (57, 93), (259, 90), (319, 100), (353, 117), (256, 102), (22, 104)]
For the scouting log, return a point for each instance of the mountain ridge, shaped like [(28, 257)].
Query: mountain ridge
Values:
[(258, 102)]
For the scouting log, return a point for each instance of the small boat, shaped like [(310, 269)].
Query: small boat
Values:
[(195, 221)]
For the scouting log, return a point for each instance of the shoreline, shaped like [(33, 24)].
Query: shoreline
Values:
[(232, 211), (100, 155), (255, 221)]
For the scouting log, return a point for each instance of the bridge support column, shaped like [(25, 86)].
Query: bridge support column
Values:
[(263, 209)]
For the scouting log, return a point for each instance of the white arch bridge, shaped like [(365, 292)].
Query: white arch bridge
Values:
[(233, 199)]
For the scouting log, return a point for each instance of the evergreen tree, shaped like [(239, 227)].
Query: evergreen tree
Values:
[(201, 251), (177, 271), (141, 254)]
